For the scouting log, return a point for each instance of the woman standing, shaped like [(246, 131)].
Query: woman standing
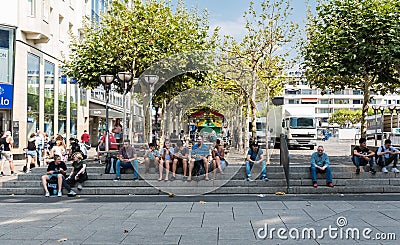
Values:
[(31, 153), (78, 172)]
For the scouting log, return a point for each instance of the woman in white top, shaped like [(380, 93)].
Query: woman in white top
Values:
[(59, 149)]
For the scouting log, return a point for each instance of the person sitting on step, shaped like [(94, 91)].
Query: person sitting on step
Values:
[(320, 164), (78, 172), (388, 154), (181, 156), (199, 156), (56, 170), (151, 157), (255, 156), (167, 156), (127, 158), (363, 156)]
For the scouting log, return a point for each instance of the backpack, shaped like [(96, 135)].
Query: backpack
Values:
[(111, 162), (31, 145), (83, 149), (52, 187), (379, 159)]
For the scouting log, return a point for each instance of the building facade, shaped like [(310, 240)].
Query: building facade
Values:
[(326, 102)]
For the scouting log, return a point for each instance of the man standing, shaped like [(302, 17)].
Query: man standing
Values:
[(255, 156), (320, 164), (40, 145), (363, 156), (6, 144), (127, 159), (390, 154), (200, 154), (85, 137)]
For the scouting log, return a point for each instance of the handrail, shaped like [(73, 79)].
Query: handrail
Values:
[(284, 160)]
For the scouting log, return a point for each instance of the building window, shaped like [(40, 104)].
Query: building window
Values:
[(339, 92), (61, 31), (292, 91), (31, 8), (73, 108), (306, 91), (49, 71), (62, 102), (341, 101), (323, 110), (294, 101), (357, 102), (324, 101), (33, 78), (45, 10), (358, 92), (6, 55)]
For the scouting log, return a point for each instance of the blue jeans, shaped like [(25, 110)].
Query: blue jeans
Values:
[(134, 165), (315, 170), (249, 166), (359, 161)]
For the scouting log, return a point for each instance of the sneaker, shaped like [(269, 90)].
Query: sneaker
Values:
[(384, 170), (329, 184), (79, 187), (173, 178), (1, 174), (117, 178), (265, 178), (248, 179), (315, 184), (71, 193), (357, 171), (47, 194), (395, 170), (184, 178), (372, 171), (136, 179), (189, 178), (59, 194)]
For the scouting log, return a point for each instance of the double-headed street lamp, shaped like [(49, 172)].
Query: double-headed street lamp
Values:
[(126, 82), (150, 80), (107, 80)]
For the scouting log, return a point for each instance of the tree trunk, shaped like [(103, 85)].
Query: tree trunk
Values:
[(266, 127), (246, 124), (364, 114), (240, 128), (253, 106)]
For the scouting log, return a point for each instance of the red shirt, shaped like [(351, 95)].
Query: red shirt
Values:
[(85, 138), (112, 143)]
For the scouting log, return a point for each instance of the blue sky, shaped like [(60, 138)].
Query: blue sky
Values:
[(228, 14)]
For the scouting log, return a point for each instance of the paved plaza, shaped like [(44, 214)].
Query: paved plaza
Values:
[(201, 220)]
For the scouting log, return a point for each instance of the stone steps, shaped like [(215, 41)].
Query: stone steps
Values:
[(232, 182)]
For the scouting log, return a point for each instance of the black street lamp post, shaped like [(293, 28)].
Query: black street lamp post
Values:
[(107, 80), (125, 79), (151, 80)]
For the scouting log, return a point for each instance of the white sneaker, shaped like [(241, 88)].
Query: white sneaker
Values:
[(79, 187), (384, 170), (395, 170), (47, 194), (59, 194), (71, 193)]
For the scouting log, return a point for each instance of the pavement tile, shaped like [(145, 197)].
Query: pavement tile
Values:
[(271, 205), (153, 239), (22, 242)]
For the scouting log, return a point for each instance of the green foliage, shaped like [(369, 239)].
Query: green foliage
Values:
[(132, 39), (345, 117), (354, 44)]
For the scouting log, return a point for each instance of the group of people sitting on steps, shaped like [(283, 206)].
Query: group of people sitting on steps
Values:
[(362, 156), (200, 159)]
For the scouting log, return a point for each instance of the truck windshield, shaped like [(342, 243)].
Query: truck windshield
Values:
[(302, 122)]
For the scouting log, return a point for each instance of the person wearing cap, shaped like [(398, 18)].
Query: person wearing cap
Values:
[(78, 172), (6, 144), (255, 156)]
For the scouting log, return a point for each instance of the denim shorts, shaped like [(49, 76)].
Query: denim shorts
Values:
[(32, 153)]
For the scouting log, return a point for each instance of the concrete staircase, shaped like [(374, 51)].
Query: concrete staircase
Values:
[(232, 182)]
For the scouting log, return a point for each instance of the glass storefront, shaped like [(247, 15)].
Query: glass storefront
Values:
[(73, 108), (62, 103), (33, 78), (49, 70)]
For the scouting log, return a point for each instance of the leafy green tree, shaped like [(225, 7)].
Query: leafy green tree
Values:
[(260, 53), (354, 44), (345, 117)]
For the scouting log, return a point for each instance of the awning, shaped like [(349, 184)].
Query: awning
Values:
[(309, 100)]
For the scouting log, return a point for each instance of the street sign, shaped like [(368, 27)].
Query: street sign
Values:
[(6, 96)]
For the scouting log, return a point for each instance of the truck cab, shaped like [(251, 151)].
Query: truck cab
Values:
[(300, 131)]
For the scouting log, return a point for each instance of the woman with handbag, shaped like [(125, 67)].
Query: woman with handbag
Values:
[(78, 172)]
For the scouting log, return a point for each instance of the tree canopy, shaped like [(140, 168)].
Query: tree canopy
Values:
[(133, 38), (354, 44)]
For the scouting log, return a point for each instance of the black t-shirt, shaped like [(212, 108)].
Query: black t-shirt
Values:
[(53, 167), (364, 151)]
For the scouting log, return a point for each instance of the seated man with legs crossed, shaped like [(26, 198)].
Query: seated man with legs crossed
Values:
[(388, 154), (127, 158), (320, 164), (363, 156)]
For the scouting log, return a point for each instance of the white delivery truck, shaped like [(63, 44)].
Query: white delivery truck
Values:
[(296, 122)]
